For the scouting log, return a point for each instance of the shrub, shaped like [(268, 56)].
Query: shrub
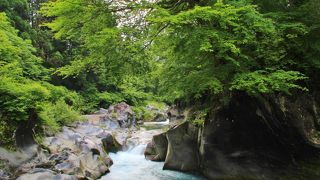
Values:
[(53, 116)]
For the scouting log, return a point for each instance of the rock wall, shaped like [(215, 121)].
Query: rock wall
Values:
[(178, 148), (247, 137), (256, 136)]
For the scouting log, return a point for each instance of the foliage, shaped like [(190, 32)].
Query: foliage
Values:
[(260, 82), (107, 60), (210, 49), (143, 114), (53, 116), (17, 12), (23, 86), (62, 56)]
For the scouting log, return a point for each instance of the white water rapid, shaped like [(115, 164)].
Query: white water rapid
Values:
[(131, 165)]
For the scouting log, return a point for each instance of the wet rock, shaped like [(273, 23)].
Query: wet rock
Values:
[(103, 134), (75, 151), (161, 146), (156, 150), (182, 152), (92, 166), (150, 151), (110, 143), (66, 167), (60, 157)]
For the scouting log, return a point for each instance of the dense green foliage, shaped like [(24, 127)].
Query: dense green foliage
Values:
[(219, 47), (62, 57), (105, 59), (23, 85)]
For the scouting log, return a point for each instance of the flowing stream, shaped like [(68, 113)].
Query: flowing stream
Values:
[(131, 165)]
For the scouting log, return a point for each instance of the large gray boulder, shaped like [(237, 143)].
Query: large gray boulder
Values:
[(182, 152), (122, 113)]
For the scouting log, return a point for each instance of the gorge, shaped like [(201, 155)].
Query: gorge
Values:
[(159, 89)]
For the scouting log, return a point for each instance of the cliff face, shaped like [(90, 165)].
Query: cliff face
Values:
[(252, 136), (247, 137)]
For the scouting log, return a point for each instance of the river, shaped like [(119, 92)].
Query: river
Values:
[(132, 165)]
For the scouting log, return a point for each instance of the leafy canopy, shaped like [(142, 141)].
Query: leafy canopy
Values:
[(220, 47)]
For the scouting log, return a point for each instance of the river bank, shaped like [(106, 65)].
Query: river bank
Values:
[(106, 145)]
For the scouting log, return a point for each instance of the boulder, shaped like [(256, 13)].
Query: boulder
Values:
[(110, 144), (44, 174), (161, 146), (91, 165), (156, 150), (123, 114), (150, 151), (182, 153)]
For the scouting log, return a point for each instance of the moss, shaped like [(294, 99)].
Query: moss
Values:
[(148, 116), (143, 114), (198, 117)]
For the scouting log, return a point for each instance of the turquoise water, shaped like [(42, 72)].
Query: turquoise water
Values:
[(131, 165)]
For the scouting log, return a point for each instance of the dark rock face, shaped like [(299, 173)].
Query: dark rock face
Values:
[(178, 148), (110, 144), (182, 152), (247, 137), (161, 146), (150, 151), (251, 136), (156, 150)]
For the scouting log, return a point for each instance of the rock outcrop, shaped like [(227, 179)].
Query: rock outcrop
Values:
[(255, 137), (246, 137), (156, 150), (75, 153), (122, 113), (80, 151), (182, 153), (41, 174), (178, 148)]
